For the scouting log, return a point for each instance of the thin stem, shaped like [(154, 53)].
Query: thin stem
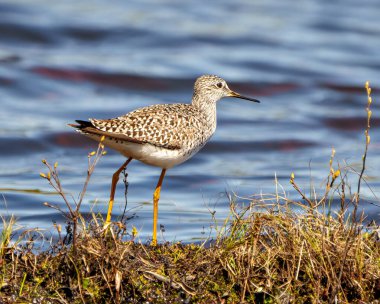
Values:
[(367, 141)]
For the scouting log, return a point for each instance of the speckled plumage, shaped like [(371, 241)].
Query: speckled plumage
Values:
[(164, 135), (170, 126)]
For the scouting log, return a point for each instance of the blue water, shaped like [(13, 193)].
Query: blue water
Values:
[(307, 63)]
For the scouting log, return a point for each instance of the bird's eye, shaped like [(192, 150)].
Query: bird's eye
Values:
[(219, 85)]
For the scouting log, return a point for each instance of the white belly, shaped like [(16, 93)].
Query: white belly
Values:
[(147, 153)]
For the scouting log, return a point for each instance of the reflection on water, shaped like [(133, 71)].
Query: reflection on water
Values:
[(74, 60)]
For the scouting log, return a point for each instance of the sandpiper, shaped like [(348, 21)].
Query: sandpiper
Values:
[(162, 135)]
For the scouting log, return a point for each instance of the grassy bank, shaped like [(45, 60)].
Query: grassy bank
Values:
[(278, 256), (271, 250)]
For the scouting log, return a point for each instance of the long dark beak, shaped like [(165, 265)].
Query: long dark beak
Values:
[(237, 95)]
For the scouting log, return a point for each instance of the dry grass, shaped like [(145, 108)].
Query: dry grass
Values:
[(273, 250), (278, 256)]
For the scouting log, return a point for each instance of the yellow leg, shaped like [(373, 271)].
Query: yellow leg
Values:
[(115, 178), (156, 197)]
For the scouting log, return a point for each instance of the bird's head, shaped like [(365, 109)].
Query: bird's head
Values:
[(211, 88)]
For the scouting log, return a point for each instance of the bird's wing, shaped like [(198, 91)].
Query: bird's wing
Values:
[(87, 127), (168, 126)]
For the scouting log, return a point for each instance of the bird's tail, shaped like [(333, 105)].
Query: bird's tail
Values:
[(82, 124)]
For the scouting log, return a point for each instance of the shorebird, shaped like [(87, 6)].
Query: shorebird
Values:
[(163, 135)]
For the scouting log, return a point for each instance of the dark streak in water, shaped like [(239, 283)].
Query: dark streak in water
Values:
[(70, 139), (90, 34), (6, 81), (347, 88), (269, 145), (135, 82), (19, 146), (114, 79), (10, 59), (20, 33), (265, 90), (350, 123)]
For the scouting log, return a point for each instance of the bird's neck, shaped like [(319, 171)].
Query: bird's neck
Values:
[(207, 107)]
